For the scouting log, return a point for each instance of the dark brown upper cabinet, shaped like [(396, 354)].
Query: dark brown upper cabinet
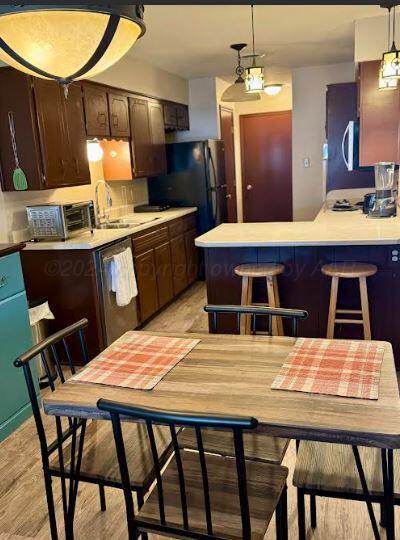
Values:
[(176, 117), (159, 155), (49, 129), (142, 155), (96, 111), (119, 115), (379, 118)]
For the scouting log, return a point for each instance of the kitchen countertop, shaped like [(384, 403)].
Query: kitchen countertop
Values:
[(328, 228), (7, 249), (102, 237)]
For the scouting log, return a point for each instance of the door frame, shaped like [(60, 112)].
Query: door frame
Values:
[(229, 110), (242, 161)]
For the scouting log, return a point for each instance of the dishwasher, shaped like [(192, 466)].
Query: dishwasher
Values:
[(116, 319)]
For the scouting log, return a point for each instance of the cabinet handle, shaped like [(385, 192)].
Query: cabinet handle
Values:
[(62, 164), (3, 281), (101, 115), (115, 120)]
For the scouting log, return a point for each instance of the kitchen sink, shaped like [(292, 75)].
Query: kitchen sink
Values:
[(113, 225), (125, 223)]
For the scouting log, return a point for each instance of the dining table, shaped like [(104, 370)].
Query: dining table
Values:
[(232, 375)]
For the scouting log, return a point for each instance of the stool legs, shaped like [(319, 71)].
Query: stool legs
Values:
[(278, 304), (272, 303), (365, 307), (332, 308), (247, 298)]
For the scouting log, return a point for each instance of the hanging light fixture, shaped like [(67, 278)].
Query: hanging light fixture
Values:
[(273, 89), (254, 74), (66, 43), (390, 65), (237, 91)]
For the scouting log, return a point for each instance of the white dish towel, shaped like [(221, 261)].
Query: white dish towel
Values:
[(123, 279)]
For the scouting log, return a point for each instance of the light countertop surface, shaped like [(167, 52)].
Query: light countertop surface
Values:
[(328, 228), (102, 237)]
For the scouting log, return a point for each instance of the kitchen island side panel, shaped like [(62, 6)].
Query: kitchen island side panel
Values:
[(303, 286)]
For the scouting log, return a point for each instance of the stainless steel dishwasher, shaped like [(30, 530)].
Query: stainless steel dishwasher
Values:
[(116, 319)]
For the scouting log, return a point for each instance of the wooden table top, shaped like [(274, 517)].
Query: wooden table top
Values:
[(232, 375)]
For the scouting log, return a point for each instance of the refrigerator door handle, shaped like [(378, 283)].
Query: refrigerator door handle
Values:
[(346, 131)]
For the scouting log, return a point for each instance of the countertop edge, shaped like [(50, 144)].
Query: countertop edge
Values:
[(8, 249), (282, 243)]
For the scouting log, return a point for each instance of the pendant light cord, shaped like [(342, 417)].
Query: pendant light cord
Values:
[(389, 26), (252, 30), (394, 26)]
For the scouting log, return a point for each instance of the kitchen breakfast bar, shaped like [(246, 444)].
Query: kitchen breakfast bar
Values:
[(303, 248)]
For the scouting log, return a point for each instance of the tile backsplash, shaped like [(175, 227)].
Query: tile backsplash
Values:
[(13, 221)]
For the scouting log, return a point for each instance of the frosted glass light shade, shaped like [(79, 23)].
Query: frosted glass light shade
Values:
[(61, 41), (386, 84), (272, 89), (94, 151), (237, 93), (254, 79), (390, 66)]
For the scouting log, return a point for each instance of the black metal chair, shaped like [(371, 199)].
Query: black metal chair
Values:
[(83, 450), (258, 446), (199, 495)]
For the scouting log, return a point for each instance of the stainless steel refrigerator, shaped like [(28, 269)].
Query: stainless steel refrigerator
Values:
[(196, 177)]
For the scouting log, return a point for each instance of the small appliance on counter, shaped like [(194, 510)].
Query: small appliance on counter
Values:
[(385, 203), (343, 205), (54, 221), (152, 208), (369, 201)]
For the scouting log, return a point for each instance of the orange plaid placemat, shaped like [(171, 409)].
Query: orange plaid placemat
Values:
[(136, 361), (338, 367)]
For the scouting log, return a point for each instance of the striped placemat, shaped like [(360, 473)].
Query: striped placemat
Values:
[(136, 360), (333, 366)]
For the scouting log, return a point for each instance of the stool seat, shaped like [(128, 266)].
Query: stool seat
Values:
[(349, 270), (259, 270)]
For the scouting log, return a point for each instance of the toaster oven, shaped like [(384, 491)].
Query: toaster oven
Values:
[(53, 221)]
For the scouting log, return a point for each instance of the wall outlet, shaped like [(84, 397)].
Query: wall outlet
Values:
[(306, 162)]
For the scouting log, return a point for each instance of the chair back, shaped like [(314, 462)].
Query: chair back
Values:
[(254, 312), (176, 420), (57, 349)]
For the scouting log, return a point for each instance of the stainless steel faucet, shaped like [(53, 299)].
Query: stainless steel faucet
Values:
[(103, 216)]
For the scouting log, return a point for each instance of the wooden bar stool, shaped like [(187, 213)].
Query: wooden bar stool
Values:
[(352, 270), (269, 271)]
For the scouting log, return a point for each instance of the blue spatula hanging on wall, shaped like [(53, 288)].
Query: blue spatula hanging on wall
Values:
[(19, 177)]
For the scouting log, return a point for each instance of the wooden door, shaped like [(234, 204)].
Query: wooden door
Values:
[(191, 256), (145, 269), (163, 263), (52, 131), (156, 119), (76, 158), (266, 150), (227, 135), (179, 267), (141, 137), (96, 111), (379, 118), (119, 115)]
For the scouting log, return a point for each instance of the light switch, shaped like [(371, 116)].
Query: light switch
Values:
[(306, 162)]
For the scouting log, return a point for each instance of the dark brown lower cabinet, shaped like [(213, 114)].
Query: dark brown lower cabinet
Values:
[(163, 262), (145, 268), (179, 265)]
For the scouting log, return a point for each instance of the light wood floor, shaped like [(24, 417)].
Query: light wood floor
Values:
[(22, 501)]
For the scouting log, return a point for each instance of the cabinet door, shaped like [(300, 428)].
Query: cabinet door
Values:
[(96, 111), (119, 115), (15, 338), (147, 284), (156, 118), (52, 131), (163, 262), (182, 117), (77, 160), (170, 115), (191, 256), (379, 118), (179, 268), (141, 137)]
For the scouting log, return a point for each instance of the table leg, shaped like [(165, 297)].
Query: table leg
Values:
[(387, 475), (366, 493)]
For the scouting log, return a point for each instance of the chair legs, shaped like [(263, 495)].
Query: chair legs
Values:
[(140, 501), (301, 514), (50, 506), (102, 495), (313, 511), (281, 517)]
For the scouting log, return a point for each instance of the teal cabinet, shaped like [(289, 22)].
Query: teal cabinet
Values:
[(15, 338)]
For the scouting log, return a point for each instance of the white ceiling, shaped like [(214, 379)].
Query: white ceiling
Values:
[(193, 40)]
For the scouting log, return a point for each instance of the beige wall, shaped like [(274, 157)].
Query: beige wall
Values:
[(132, 74), (308, 133), (371, 37)]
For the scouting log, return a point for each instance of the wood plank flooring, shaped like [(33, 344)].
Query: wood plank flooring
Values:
[(23, 512)]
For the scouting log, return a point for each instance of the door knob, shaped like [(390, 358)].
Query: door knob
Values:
[(249, 187), (229, 196)]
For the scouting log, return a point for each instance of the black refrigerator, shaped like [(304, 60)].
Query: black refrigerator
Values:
[(195, 177)]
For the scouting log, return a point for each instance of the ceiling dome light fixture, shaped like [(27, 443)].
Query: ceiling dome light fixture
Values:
[(390, 65), (254, 74), (236, 92), (66, 43), (273, 89)]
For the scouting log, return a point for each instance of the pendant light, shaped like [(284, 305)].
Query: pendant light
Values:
[(390, 65), (254, 74), (236, 92), (66, 43)]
